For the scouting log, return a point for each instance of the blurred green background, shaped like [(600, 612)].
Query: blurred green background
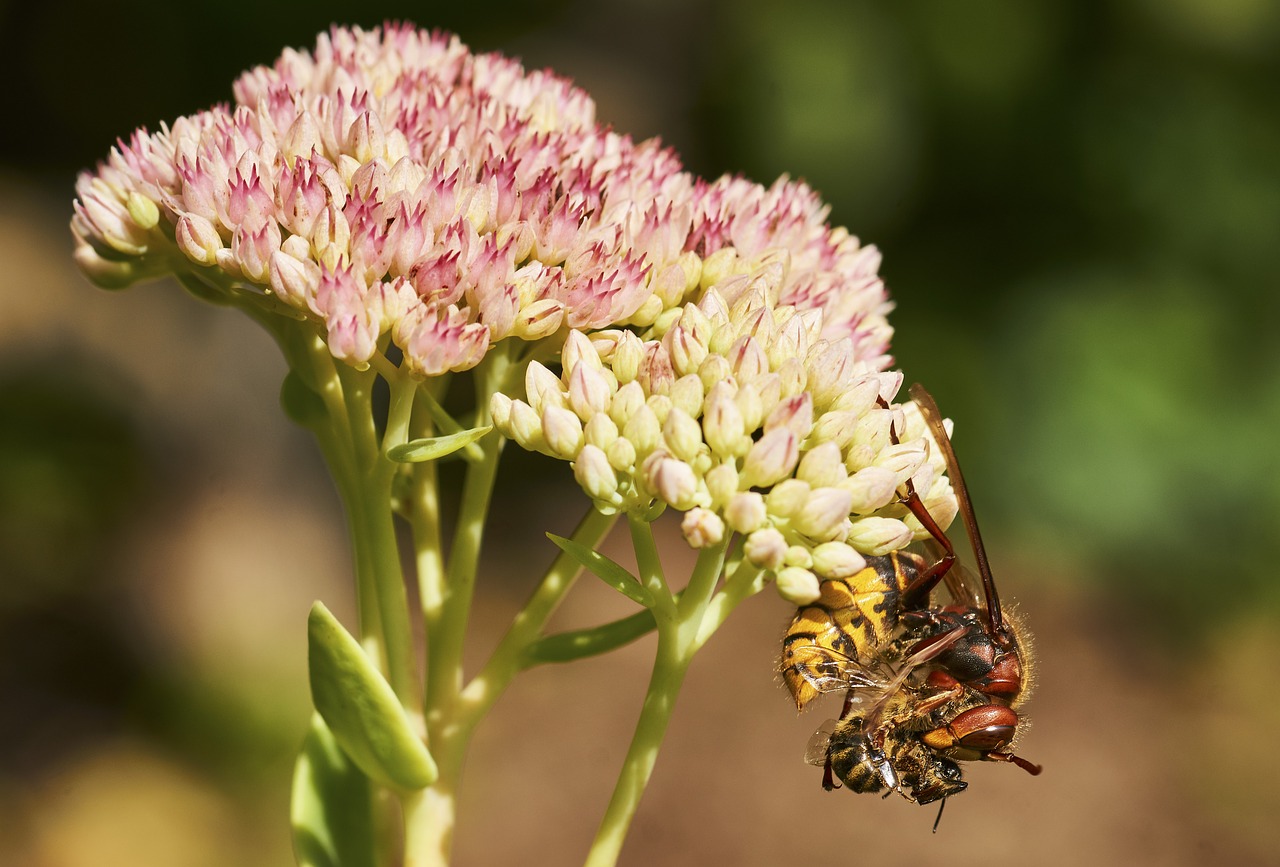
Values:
[(1078, 205)]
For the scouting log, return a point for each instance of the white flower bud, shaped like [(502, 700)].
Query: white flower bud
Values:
[(876, 536), (579, 350), (593, 473), (837, 560), (540, 319), (672, 480), (500, 412), (859, 397), (822, 513), (589, 391), (766, 548), (835, 427), (702, 528), (771, 458), (718, 267), (870, 488), (543, 388), (747, 359), (746, 512), (562, 431), (795, 413), (830, 366), (902, 460), (200, 242), (526, 426), (799, 586)]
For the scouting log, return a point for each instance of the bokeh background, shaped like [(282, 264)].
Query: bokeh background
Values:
[(1078, 203)]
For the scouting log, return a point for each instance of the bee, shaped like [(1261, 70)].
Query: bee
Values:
[(940, 683)]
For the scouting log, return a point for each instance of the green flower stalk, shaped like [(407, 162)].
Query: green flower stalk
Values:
[(398, 212)]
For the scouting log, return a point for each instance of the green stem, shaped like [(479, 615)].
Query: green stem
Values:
[(447, 619), (373, 529), (679, 622), (508, 658), (669, 668)]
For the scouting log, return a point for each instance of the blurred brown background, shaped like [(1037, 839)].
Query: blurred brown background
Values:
[(1078, 205)]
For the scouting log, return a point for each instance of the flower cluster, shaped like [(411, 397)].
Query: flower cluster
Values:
[(392, 186), (743, 416)]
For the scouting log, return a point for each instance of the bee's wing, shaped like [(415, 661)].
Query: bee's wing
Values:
[(816, 751), (963, 584), (828, 670)]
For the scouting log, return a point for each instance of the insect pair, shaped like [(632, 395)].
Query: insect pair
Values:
[(925, 686)]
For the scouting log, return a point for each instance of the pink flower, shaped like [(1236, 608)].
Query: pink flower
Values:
[(397, 153)]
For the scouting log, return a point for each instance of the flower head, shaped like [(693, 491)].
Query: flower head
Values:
[(392, 186), (724, 348)]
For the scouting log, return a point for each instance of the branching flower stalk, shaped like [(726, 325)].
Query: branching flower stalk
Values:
[(403, 215)]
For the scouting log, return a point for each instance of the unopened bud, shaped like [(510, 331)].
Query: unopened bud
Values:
[(702, 528), (799, 586), (876, 536), (837, 560), (766, 548)]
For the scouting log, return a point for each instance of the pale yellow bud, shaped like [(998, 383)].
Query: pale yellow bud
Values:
[(746, 512), (722, 423), (799, 586), (600, 431), (771, 458), (628, 355), (876, 536), (643, 430), (714, 369), (562, 431), (787, 497), (621, 454), (870, 488), (822, 513), (718, 267), (592, 471), (722, 482), (687, 394), (766, 548), (579, 350), (822, 466), (682, 434), (672, 480), (837, 560), (543, 388), (500, 412), (589, 391)]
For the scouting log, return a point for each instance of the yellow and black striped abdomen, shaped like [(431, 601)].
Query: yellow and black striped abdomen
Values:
[(854, 617)]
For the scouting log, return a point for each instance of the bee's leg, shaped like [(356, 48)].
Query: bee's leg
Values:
[(1032, 769), (917, 594)]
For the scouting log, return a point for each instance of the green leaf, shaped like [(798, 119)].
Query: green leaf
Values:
[(432, 448), (331, 809), (593, 641), (606, 570), (302, 405), (361, 710)]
